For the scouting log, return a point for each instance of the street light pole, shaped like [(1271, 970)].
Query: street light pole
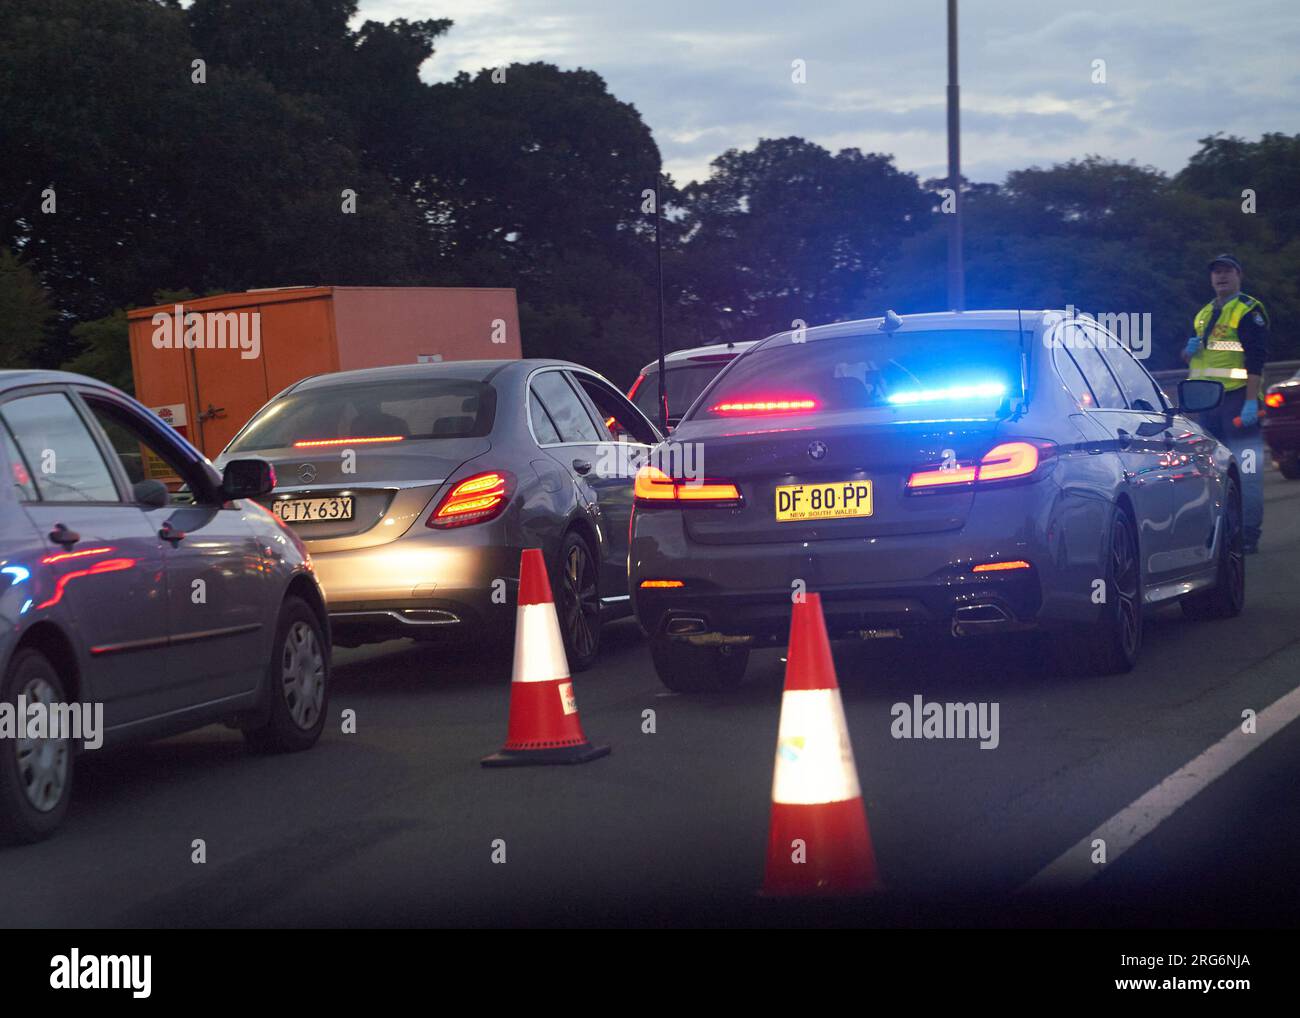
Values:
[(659, 264), (956, 270)]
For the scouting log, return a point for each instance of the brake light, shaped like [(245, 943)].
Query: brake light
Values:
[(317, 442), (653, 485), (1274, 399), (796, 405), (1011, 459), (474, 500), (1002, 462), (661, 583), (997, 567)]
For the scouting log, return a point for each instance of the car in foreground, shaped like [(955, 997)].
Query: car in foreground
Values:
[(138, 581), (686, 374), (965, 473), (1281, 425), (415, 488)]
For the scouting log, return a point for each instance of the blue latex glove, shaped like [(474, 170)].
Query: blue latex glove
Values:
[(1250, 413), (1193, 345)]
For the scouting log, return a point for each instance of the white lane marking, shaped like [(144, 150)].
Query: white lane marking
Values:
[(1130, 825)]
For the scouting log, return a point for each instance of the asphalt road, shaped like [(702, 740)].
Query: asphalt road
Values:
[(395, 825)]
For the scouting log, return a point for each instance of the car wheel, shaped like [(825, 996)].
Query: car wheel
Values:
[(35, 774), (1288, 464), (685, 668), (577, 602), (298, 681), (1228, 595), (1113, 644)]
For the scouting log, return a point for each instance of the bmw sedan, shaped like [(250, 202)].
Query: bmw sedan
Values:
[(969, 473), (416, 487), (143, 594)]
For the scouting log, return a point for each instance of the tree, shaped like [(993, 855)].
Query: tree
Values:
[(25, 313), (789, 231)]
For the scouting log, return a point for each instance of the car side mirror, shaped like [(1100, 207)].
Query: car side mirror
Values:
[(1196, 395), (247, 479), (150, 493)]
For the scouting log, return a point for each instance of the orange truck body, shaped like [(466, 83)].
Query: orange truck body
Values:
[(206, 366)]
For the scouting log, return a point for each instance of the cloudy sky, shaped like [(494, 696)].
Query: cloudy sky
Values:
[(708, 75)]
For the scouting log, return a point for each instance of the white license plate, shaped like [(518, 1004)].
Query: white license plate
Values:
[(313, 510)]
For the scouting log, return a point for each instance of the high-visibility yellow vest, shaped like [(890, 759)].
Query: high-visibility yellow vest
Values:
[(1221, 356)]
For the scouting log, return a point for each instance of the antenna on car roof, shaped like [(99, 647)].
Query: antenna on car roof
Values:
[(892, 322)]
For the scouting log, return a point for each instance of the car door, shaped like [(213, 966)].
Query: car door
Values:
[(579, 452), (1183, 465), (627, 438), (1142, 457), (101, 577), (218, 605)]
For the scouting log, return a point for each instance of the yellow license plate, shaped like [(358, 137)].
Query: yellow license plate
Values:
[(841, 500)]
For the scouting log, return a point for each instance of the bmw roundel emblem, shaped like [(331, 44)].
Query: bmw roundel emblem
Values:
[(817, 450), (307, 473)]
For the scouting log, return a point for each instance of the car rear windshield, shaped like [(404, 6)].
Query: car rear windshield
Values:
[(966, 370), (682, 385), (430, 409)]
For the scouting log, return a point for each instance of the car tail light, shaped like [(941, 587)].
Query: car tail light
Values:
[(473, 500), (653, 485), (661, 584), (1003, 462), (774, 405), (314, 443), (1274, 400), (631, 393), (997, 567)]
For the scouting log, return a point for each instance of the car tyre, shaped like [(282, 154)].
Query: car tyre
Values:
[(685, 668), (577, 601), (297, 683), (1112, 644), (1227, 597), (1288, 464), (35, 775)]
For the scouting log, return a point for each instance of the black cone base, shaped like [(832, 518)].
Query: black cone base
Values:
[(579, 754)]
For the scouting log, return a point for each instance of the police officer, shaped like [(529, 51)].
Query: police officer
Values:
[(1231, 346)]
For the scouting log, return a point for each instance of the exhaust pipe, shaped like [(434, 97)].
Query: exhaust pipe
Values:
[(683, 625), (971, 618)]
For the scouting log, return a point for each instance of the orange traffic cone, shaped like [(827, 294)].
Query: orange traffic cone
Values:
[(818, 842), (544, 726)]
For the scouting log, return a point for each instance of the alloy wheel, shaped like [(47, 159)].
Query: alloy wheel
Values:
[(1124, 572), (581, 603)]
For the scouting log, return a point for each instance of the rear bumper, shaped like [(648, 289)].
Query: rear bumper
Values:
[(963, 603), (419, 586), (902, 582)]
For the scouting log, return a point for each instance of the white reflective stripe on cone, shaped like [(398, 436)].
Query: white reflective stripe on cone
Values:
[(814, 759), (538, 640)]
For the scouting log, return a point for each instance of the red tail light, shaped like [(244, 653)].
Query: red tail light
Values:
[(775, 405), (473, 500), (653, 485), (631, 393), (1274, 399), (1002, 462)]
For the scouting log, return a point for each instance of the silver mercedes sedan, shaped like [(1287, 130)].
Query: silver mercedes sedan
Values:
[(415, 487), (142, 593)]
